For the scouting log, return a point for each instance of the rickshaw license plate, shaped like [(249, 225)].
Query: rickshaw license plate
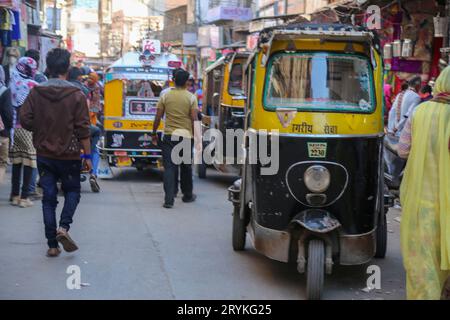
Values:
[(317, 150), (124, 162)]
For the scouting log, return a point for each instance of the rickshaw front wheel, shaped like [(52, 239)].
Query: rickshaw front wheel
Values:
[(239, 230), (316, 270)]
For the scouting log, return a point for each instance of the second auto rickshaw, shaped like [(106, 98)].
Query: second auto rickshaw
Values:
[(132, 89), (315, 91), (223, 103)]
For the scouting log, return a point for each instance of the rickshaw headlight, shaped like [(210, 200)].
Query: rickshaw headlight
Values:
[(317, 179)]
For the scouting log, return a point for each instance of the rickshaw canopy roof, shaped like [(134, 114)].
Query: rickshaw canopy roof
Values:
[(322, 32), (338, 32), (130, 67), (229, 58)]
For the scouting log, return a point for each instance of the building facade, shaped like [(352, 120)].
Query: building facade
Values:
[(224, 28), (26, 29), (133, 21)]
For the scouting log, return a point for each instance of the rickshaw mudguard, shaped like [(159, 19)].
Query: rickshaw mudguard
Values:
[(315, 220)]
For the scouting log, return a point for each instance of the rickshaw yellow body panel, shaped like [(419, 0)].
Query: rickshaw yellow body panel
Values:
[(113, 99), (114, 113), (315, 122), (130, 125)]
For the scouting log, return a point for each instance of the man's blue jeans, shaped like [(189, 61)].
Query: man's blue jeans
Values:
[(33, 182), (95, 137), (68, 172)]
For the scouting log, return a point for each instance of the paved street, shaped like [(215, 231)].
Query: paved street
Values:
[(131, 248)]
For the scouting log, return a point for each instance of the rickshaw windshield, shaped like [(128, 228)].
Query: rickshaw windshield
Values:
[(141, 97), (143, 88), (235, 86), (320, 82)]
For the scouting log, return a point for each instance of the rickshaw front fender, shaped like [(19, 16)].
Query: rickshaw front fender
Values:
[(316, 221), (318, 224)]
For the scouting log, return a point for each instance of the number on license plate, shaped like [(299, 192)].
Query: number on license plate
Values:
[(317, 150)]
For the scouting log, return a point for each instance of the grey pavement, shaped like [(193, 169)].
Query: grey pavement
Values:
[(132, 248)]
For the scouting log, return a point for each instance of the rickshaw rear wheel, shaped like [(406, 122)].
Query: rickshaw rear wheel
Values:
[(239, 230), (382, 234), (315, 275)]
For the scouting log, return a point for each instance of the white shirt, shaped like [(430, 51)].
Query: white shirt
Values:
[(410, 101)]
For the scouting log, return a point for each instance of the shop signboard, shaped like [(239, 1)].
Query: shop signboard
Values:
[(204, 52), (252, 41), (216, 36), (189, 39), (230, 13), (208, 53), (204, 39)]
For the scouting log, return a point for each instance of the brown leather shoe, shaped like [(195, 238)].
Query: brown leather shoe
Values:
[(66, 241), (53, 252)]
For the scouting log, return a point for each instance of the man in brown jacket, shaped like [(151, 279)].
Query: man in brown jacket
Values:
[(57, 114)]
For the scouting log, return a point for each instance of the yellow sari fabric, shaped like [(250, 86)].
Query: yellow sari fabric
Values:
[(425, 198)]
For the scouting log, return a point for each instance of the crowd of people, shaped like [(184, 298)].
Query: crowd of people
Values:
[(17, 79)]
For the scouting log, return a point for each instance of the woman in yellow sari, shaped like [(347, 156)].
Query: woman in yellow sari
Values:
[(425, 196)]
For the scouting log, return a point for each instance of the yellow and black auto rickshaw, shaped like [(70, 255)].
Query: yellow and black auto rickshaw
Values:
[(132, 88), (223, 108), (315, 92)]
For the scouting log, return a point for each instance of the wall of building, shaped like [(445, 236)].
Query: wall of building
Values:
[(175, 24), (172, 4), (313, 5), (270, 8), (84, 27)]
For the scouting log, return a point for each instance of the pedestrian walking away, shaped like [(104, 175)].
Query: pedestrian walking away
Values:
[(12, 57), (23, 153), (95, 108), (404, 104), (180, 108), (6, 123), (58, 114), (75, 76), (425, 196), (39, 77)]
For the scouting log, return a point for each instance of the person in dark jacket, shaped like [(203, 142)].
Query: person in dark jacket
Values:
[(6, 119), (57, 113), (75, 76), (39, 77)]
